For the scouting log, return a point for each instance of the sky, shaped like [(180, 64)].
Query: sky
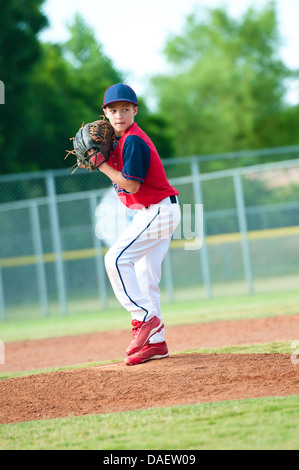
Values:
[(133, 33)]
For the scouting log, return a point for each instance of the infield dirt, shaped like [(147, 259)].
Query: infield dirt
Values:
[(180, 379)]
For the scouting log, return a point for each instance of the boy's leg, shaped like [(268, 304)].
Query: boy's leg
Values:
[(120, 265), (148, 236), (148, 272)]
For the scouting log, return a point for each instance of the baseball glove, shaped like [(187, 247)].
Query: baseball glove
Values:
[(92, 145)]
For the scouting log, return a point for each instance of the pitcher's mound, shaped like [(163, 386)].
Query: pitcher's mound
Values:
[(177, 380)]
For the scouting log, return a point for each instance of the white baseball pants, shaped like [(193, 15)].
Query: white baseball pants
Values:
[(134, 262)]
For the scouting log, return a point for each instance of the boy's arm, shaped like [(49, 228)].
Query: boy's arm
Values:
[(116, 176)]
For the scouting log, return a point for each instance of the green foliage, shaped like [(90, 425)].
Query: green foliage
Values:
[(20, 22), (227, 84), (225, 93), (67, 87), (157, 126), (59, 87)]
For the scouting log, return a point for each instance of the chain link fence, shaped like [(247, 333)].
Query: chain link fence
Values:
[(52, 261)]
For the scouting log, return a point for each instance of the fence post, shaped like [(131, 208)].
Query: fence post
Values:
[(204, 256), (57, 246), (2, 298), (99, 260), (38, 251), (239, 193)]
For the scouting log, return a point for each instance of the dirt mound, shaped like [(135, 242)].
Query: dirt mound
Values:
[(180, 379)]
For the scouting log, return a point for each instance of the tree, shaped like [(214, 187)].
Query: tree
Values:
[(67, 86), (158, 129), (20, 23), (94, 73), (227, 86)]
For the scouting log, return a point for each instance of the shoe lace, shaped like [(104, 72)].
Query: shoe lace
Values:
[(136, 328), (144, 348)]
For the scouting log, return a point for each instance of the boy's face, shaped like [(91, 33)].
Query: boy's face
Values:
[(121, 116)]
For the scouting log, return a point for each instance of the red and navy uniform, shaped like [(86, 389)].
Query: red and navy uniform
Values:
[(137, 158)]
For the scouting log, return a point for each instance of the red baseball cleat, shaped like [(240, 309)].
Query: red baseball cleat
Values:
[(148, 353), (142, 332)]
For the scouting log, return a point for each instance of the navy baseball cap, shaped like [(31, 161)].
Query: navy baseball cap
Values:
[(119, 92)]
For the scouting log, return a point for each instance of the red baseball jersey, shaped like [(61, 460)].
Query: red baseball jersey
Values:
[(137, 158)]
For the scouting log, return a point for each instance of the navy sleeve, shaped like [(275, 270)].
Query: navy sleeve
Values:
[(136, 157)]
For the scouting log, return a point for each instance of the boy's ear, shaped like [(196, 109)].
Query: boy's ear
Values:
[(135, 110)]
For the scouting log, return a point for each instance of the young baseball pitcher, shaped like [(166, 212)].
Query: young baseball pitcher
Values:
[(134, 262)]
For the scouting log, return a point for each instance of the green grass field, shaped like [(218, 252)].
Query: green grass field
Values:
[(184, 312), (266, 423)]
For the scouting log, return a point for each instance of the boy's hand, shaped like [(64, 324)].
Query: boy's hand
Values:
[(96, 160), (93, 144)]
